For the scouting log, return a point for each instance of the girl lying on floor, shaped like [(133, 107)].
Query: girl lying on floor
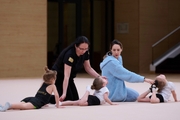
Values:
[(163, 92), (99, 97)]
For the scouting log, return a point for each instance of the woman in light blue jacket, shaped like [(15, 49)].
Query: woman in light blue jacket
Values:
[(112, 68)]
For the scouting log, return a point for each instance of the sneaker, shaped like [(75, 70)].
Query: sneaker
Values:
[(88, 88)]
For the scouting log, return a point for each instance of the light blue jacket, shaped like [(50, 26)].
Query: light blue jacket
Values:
[(116, 74)]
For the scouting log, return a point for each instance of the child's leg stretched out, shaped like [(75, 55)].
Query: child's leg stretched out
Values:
[(81, 102), (154, 98), (22, 106), (143, 97), (69, 103), (19, 106)]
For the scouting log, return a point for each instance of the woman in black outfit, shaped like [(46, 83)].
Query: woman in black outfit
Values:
[(70, 61)]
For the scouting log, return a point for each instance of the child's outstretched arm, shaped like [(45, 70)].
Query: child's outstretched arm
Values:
[(175, 96), (56, 96), (107, 99)]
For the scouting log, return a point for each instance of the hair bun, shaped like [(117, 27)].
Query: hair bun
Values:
[(46, 69)]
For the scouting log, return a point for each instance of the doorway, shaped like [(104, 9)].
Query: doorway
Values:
[(69, 19)]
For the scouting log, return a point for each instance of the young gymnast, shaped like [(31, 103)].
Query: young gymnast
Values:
[(99, 97), (165, 89), (42, 96)]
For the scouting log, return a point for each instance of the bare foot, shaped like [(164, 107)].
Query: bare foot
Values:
[(46, 105)]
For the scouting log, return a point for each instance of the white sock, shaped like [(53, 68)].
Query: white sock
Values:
[(88, 88), (153, 89), (6, 107), (60, 103), (1, 108)]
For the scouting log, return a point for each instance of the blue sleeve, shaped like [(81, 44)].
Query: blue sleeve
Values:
[(122, 73)]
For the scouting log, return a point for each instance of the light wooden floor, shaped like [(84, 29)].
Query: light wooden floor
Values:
[(13, 90)]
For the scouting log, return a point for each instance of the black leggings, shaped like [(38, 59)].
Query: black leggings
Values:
[(71, 94)]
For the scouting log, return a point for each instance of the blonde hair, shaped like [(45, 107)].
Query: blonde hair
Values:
[(161, 82), (97, 84), (49, 74), (160, 85)]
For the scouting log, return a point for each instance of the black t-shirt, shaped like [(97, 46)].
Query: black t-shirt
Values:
[(70, 58)]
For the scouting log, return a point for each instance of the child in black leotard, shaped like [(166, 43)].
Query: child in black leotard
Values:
[(42, 96)]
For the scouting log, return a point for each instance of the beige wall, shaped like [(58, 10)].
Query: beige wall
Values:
[(149, 21), (127, 11), (23, 46), (23, 33)]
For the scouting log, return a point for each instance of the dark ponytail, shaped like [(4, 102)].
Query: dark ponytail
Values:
[(77, 42)]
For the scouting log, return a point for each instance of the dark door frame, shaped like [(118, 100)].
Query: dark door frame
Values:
[(79, 20), (61, 20), (106, 22), (108, 36), (107, 39)]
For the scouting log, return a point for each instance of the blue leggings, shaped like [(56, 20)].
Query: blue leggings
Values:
[(132, 95)]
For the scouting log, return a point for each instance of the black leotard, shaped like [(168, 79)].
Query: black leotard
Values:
[(41, 98)]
